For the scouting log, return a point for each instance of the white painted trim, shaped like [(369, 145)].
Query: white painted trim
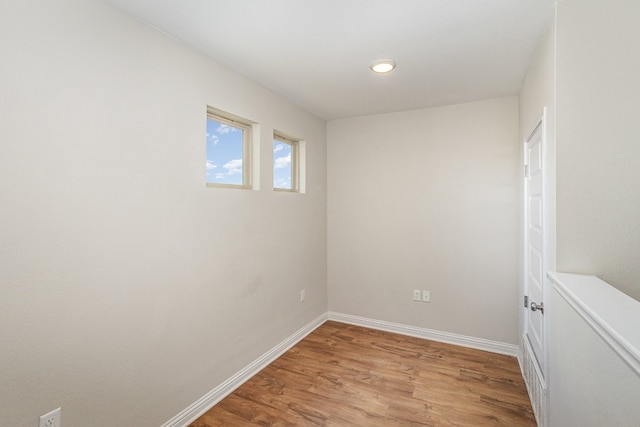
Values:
[(520, 358), (206, 402), (613, 315), (529, 354), (547, 237), (430, 334), (536, 385)]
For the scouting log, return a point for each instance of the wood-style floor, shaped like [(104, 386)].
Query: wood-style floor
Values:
[(343, 375)]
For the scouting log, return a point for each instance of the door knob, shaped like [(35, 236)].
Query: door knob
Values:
[(536, 307)]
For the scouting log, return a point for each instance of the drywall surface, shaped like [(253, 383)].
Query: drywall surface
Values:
[(427, 199), (598, 105), (538, 94), (129, 289), (593, 344), (538, 88)]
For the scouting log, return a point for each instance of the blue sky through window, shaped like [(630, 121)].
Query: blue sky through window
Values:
[(224, 153), (282, 165)]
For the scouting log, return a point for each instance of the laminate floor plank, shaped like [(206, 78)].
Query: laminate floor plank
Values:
[(344, 375)]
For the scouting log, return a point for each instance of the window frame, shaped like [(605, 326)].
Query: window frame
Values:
[(295, 162), (246, 126)]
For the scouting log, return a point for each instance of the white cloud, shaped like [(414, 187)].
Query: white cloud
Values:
[(224, 129), (233, 167), (210, 165), (282, 183), (282, 162), (278, 147), (213, 138)]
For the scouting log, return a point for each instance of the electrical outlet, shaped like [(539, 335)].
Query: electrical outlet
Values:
[(426, 296), (416, 294), (51, 419), (303, 295)]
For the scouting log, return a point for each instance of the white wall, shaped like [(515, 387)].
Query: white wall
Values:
[(598, 150), (586, 66), (129, 289), (595, 347), (427, 199), (538, 93)]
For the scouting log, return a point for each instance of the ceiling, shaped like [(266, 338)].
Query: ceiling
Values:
[(316, 53)]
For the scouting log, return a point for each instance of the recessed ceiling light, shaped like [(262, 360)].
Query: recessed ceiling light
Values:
[(383, 66)]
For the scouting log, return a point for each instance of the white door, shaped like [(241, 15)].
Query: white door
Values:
[(535, 268)]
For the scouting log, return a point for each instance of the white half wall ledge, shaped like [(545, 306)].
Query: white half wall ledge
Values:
[(613, 315), (429, 334)]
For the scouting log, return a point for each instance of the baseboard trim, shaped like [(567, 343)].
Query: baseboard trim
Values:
[(430, 334), (206, 402)]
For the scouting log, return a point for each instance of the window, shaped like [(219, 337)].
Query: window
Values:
[(228, 162), (285, 163)]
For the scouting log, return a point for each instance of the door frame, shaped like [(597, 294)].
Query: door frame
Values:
[(549, 230)]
